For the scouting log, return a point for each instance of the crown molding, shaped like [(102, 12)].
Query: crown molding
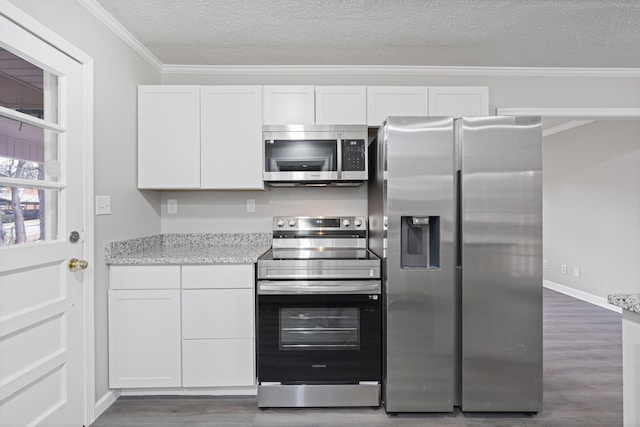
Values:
[(117, 28), (398, 70)]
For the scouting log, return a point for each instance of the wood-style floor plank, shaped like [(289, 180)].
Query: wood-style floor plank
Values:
[(582, 387)]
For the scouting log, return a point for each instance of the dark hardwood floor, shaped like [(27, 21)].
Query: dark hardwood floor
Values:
[(582, 387)]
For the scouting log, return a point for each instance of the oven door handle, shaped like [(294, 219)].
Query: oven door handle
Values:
[(292, 287)]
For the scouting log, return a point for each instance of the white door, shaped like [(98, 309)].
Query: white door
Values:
[(42, 375)]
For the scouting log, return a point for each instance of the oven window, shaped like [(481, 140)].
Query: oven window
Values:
[(319, 328)]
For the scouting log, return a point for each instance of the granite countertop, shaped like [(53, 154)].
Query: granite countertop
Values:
[(189, 248), (630, 302)]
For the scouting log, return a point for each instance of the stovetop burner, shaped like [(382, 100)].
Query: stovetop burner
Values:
[(319, 248)]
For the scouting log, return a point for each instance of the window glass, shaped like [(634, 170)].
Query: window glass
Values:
[(28, 152), (27, 88), (27, 215)]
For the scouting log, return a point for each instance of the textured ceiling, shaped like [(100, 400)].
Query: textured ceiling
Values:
[(496, 33)]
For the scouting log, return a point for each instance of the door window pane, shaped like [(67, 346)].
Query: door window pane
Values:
[(28, 215), (28, 152), (27, 88), (319, 328)]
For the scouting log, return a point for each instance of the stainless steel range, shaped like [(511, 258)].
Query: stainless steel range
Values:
[(319, 315)]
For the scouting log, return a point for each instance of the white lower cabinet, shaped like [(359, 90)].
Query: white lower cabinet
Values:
[(181, 326), (218, 362), (218, 326), (144, 338)]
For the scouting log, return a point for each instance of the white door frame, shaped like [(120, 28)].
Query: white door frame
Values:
[(31, 25)]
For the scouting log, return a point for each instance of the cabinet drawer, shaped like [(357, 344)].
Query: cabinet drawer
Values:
[(217, 313), (221, 362), (145, 277), (217, 276)]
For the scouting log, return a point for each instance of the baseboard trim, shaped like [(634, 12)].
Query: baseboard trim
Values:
[(105, 401), (198, 391), (581, 295)]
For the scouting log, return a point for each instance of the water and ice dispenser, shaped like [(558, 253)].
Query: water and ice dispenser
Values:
[(420, 242)]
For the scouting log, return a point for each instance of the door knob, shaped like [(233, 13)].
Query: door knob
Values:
[(76, 264)]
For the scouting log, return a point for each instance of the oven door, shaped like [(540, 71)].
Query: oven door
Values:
[(319, 338)]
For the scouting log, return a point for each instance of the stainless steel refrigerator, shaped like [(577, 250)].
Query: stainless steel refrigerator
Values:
[(455, 214)]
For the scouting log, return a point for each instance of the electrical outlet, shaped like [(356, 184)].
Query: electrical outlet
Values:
[(172, 206), (576, 271), (545, 264), (251, 205), (563, 268)]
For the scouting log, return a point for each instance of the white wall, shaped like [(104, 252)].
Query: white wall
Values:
[(117, 72), (226, 211), (591, 203)]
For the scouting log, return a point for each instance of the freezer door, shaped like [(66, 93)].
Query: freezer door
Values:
[(418, 184), (501, 213)]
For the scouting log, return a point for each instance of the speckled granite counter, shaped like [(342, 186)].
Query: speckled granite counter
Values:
[(630, 302), (192, 248)]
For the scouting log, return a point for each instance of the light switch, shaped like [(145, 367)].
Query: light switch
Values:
[(103, 205), (172, 206), (251, 205)]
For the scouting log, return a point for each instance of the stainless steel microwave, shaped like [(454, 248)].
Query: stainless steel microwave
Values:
[(315, 155)]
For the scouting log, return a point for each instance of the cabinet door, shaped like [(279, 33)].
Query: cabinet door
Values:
[(144, 338), (341, 105), (384, 101), (218, 363), (217, 313), (231, 139), (288, 105), (458, 101), (168, 137)]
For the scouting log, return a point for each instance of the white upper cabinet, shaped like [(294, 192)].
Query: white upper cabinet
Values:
[(341, 105), (458, 101), (231, 137), (168, 137), (192, 137), (287, 105), (384, 101)]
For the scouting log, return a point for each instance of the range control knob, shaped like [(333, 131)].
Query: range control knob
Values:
[(346, 222), (357, 222), (292, 223), (280, 223)]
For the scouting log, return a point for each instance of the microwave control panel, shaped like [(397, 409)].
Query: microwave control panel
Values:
[(353, 158)]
